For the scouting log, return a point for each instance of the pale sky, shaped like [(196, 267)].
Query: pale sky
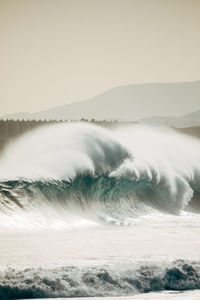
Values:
[(53, 52)]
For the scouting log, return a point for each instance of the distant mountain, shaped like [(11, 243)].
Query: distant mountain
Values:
[(189, 120), (129, 103), (159, 121)]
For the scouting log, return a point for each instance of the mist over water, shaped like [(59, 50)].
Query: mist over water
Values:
[(84, 198)]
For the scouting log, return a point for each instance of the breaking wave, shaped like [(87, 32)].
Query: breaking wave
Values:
[(120, 280), (64, 172)]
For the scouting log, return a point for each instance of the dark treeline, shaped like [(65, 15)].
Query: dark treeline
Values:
[(13, 128), (10, 129)]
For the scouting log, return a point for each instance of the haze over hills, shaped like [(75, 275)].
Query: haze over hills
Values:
[(127, 103), (189, 120)]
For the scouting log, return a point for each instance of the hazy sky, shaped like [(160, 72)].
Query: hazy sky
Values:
[(53, 52)]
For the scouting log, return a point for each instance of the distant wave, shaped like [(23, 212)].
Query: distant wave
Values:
[(96, 281), (111, 176)]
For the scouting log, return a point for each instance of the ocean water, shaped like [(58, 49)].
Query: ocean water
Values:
[(194, 295), (90, 212)]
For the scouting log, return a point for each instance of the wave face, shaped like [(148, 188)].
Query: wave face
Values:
[(98, 281), (65, 173)]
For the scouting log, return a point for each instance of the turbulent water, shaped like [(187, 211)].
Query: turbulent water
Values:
[(101, 281), (79, 175)]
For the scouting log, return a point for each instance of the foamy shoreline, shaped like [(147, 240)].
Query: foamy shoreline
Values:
[(188, 295)]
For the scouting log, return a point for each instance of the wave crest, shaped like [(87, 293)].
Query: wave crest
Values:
[(88, 170)]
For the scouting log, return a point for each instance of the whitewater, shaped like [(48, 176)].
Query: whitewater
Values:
[(87, 211)]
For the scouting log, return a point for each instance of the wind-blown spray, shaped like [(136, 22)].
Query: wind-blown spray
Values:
[(70, 171)]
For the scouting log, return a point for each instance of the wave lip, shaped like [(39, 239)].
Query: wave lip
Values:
[(61, 152), (99, 281)]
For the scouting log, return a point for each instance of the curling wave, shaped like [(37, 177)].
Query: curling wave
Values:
[(82, 170)]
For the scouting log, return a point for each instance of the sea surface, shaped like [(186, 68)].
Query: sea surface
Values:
[(194, 295), (93, 212)]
